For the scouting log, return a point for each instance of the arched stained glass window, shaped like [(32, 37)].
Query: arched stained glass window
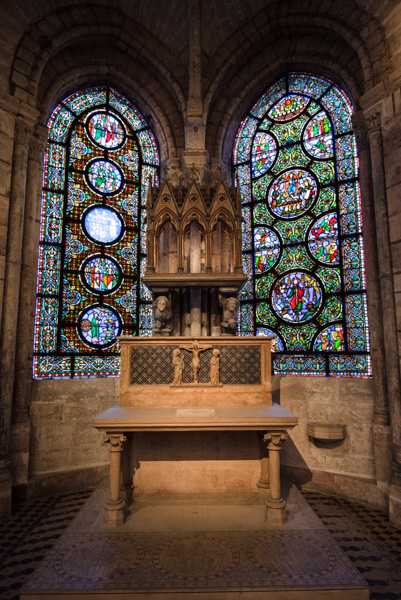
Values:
[(99, 159), (296, 163)]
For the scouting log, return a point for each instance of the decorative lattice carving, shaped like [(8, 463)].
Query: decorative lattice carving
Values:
[(152, 365)]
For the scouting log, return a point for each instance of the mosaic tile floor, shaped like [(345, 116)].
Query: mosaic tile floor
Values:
[(365, 535)]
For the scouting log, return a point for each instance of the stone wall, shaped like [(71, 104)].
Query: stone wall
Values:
[(62, 439)]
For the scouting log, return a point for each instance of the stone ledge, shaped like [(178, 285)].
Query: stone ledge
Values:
[(326, 432)]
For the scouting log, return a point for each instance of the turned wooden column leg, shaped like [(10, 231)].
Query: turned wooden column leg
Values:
[(275, 504), (114, 509)]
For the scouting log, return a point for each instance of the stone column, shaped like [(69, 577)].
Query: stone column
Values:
[(215, 318), (160, 258), (208, 251), (225, 250), (180, 248), (150, 266), (186, 314), (205, 312), (385, 273), (10, 302), (20, 412), (195, 267), (275, 504), (196, 319), (381, 428), (114, 508), (264, 481), (195, 157), (237, 253), (216, 248), (172, 249)]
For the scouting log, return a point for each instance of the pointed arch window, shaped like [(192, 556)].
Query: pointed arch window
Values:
[(99, 159), (296, 162)]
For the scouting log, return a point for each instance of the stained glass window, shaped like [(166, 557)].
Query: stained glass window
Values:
[(99, 159), (296, 164)]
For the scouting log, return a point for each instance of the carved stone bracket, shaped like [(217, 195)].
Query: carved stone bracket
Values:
[(326, 432)]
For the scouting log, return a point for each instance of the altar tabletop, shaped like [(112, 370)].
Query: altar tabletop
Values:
[(258, 418)]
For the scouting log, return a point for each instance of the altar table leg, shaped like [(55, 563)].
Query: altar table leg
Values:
[(276, 513), (114, 508), (264, 481)]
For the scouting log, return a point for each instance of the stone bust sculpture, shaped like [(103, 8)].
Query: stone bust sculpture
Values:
[(162, 315), (229, 323)]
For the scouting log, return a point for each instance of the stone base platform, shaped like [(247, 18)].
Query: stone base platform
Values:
[(215, 550)]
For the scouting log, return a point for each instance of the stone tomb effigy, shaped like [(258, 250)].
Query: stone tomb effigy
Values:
[(176, 385)]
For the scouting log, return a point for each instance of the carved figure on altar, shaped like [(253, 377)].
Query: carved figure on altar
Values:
[(162, 315), (215, 367), (196, 350), (178, 364), (229, 323)]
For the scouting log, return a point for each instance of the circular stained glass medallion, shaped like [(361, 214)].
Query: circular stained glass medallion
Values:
[(103, 224), (104, 176), (264, 152), (101, 274), (292, 193), (323, 239), (296, 297), (106, 130), (267, 249), (288, 108), (318, 136), (99, 326)]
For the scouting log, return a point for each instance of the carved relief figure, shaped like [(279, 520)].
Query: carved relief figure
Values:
[(229, 323), (196, 350), (162, 315), (178, 364), (215, 367)]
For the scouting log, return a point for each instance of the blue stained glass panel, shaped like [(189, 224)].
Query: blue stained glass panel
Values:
[(103, 225), (99, 325)]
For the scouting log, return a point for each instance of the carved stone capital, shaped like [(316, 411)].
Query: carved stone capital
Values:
[(373, 123), (23, 132), (36, 148), (274, 439), (362, 139), (115, 441)]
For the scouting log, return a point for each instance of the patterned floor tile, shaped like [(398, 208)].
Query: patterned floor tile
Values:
[(372, 544)]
